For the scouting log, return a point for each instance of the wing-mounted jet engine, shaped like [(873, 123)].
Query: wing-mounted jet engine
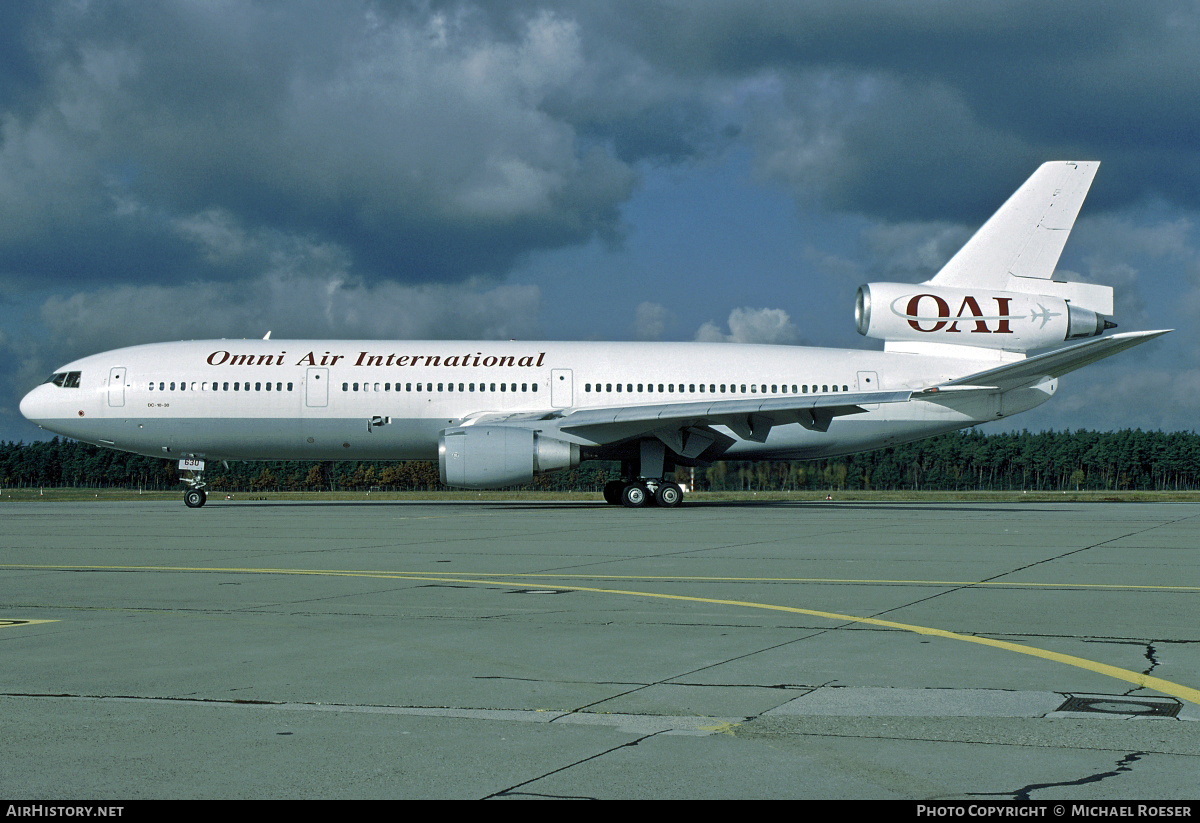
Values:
[(489, 457)]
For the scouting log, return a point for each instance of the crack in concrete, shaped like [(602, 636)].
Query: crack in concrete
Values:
[(1125, 764), (511, 790)]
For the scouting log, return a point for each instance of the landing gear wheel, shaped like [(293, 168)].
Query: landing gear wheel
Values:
[(194, 498), (634, 496), (612, 492), (668, 495)]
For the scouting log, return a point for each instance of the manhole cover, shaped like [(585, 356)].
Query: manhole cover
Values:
[(1116, 704)]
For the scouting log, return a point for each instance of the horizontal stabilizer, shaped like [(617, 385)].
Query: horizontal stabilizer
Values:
[(1052, 364)]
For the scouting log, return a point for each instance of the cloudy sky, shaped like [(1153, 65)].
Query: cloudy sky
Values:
[(579, 170)]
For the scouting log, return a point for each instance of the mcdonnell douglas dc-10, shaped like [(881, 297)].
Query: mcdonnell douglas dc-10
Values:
[(957, 352)]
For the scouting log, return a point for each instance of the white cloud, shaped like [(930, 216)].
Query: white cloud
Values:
[(651, 321), (748, 325)]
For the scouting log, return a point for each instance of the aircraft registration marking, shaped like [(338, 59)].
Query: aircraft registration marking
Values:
[(1139, 679)]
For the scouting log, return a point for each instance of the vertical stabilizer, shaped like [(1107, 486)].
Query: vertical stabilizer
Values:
[(1022, 241)]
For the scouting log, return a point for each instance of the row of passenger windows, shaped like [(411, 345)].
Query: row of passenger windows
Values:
[(442, 387), (204, 385), (712, 388)]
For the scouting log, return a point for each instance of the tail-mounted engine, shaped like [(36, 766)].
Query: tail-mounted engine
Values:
[(971, 317), (491, 457)]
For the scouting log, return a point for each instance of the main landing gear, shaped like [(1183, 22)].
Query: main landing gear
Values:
[(634, 494), (646, 470)]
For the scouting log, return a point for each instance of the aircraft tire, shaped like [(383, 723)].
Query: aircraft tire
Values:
[(668, 495), (194, 498), (634, 496)]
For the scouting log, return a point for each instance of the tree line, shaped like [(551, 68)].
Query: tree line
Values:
[(960, 461)]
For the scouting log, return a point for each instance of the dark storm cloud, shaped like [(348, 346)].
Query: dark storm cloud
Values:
[(918, 88), (416, 141), (437, 141)]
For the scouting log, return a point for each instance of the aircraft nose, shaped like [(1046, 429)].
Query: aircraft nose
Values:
[(35, 405)]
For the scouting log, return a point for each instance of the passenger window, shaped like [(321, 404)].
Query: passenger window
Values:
[(289, 386), (440, 386), (824, 388)]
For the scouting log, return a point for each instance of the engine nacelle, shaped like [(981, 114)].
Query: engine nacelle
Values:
[(490, 457), (971, 317)]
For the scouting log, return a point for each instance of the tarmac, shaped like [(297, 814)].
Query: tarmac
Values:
[(250, 649)]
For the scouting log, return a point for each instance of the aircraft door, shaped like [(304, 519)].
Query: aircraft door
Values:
[(562, 392), (116, 386), (316, 388)]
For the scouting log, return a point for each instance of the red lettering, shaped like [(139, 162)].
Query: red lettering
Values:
[(914, 313), (969, 302), (1005, 316)]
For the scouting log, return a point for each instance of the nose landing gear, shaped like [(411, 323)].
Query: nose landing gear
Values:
[(194, 496)]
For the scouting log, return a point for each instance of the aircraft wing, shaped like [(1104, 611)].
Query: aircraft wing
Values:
[(1051, 364), (687, 427), (684, 426)]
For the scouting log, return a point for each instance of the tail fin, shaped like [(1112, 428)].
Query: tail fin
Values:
[(1018, 248), (996, 295)]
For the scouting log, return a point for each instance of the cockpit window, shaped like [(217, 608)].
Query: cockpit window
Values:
[(65, 379)]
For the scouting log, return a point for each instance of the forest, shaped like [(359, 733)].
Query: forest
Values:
[(961, 461)]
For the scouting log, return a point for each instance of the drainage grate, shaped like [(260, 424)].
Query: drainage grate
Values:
[(1119, 704)]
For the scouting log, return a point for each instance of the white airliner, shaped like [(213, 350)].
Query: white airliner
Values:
[(494, 414)]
